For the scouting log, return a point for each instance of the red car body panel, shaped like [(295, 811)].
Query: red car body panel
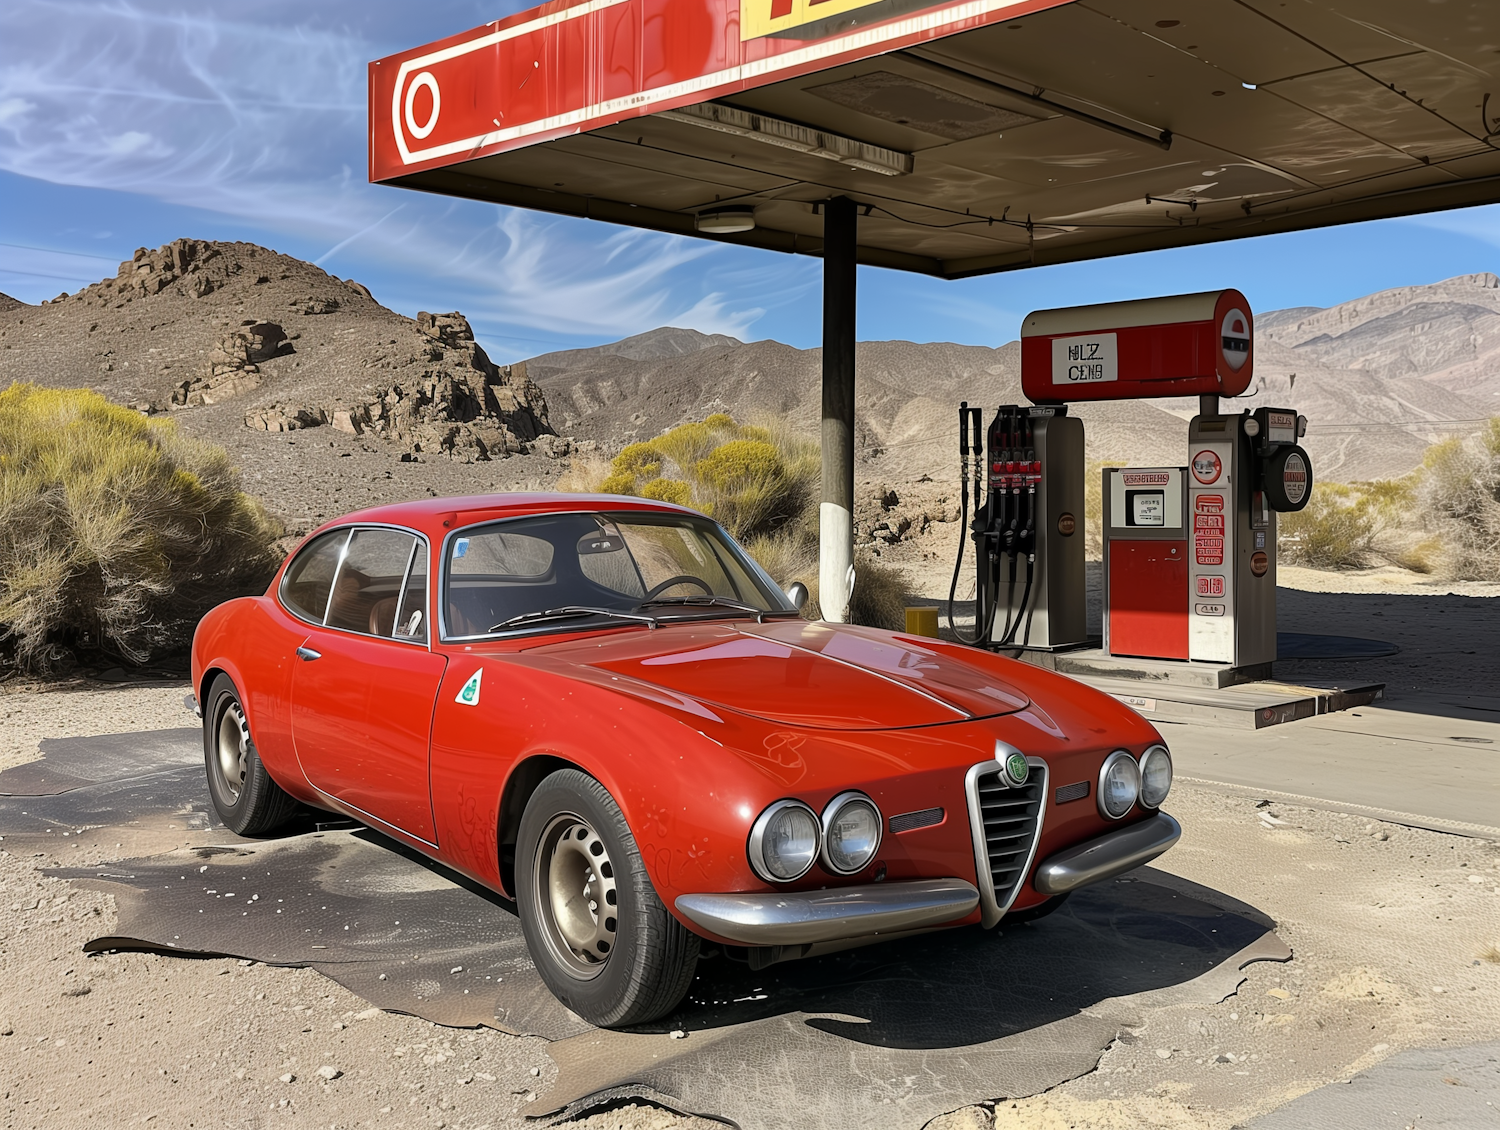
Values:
[(694, 727), (361, 721)]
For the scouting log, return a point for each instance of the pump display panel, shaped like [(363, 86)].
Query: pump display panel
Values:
[(1146, 498), (1145, 508)]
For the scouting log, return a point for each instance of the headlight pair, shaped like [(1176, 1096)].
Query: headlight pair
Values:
[(1123, 781), (788, 838)]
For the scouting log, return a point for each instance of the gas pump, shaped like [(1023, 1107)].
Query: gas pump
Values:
[(1026, 473), (1190, 553), (1242, 470)]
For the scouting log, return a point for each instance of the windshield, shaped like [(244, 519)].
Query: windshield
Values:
[(561, 572)]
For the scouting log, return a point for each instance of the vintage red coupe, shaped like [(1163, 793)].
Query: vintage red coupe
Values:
[(602, 708)]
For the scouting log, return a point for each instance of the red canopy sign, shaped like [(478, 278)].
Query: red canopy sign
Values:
[(567, 68)]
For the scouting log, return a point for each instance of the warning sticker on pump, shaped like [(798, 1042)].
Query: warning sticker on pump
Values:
[(1210, 586), (1208, 609)]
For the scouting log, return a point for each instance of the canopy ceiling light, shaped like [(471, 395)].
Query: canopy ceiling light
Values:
[(727, 220), (789, 135)]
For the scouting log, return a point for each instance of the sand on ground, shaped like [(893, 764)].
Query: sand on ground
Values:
[(1395, 932)]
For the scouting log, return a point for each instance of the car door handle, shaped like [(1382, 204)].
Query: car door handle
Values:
[(307, 654)]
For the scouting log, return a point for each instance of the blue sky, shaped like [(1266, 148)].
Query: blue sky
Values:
[(127, 124)]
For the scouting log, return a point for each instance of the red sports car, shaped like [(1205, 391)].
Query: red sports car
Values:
[(602, 708)]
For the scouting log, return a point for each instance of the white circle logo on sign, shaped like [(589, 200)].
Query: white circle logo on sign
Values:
[(423, 79), (1234, 331)]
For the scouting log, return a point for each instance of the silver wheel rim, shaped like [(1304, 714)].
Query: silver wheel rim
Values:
[(233, 750), (575, 896)]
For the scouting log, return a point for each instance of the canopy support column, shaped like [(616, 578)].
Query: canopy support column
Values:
[(836, 513)]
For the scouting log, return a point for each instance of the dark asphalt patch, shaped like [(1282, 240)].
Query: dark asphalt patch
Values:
[(898, 1032)]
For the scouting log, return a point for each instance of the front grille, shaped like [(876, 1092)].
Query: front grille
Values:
[(1006, 822)]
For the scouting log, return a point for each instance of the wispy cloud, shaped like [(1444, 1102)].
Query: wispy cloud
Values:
[(261, 117), (1475, 223)]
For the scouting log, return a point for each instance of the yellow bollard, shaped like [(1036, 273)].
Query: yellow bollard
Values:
[(922, 621)]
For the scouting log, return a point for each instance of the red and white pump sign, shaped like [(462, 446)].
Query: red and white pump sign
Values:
[(1185, 345)]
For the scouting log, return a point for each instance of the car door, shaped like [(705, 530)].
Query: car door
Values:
[(364, 682)]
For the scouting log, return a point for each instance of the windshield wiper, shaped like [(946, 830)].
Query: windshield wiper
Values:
[(707, 602), (569, 612)]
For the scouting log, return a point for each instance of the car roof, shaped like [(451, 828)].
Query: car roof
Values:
[(436, 516)]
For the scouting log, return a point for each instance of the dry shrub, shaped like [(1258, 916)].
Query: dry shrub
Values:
[(879, 597), (116, 533), (1093, 507), (1336, 530), (1444, 517), (753, 480), (787, 559), (1458, 494), (760, 482)]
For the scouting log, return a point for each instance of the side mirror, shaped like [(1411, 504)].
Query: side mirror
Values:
[(797, 593)]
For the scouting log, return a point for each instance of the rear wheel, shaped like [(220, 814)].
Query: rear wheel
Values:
[(243, 794), (601, 938)]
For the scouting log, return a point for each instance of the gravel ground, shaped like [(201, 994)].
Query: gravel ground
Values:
[(1394, 929), (31, 710)]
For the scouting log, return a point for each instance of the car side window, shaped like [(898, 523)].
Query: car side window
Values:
[(411, 612), (309, 578), (369, 582)]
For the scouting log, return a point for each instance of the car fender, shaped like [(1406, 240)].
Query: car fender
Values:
[(688, 800), (252, 641)]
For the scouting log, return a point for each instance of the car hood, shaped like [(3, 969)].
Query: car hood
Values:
[(817, 675)]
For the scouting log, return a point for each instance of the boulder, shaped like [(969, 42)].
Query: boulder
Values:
[(285, 418)]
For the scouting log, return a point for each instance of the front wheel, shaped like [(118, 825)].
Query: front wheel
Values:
[(601, 938), (244, 796)]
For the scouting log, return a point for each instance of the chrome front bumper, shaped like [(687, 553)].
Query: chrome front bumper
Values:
[(1107, 856), (786, 918)]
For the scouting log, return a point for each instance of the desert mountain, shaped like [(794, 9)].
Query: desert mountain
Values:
[(1379, 379), (328, 401), (654, 345), (1383, 376), (906, 408)]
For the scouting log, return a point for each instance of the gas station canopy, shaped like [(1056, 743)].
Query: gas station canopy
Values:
[(974, 137)]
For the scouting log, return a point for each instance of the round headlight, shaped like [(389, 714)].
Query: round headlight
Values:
[(784, 841), (1119, 784), (851, 833), (1156, 776)]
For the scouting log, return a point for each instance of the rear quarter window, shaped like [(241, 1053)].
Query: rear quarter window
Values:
[(308, 580)]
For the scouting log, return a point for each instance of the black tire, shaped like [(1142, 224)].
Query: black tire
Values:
[(630, 967), (244, 796)]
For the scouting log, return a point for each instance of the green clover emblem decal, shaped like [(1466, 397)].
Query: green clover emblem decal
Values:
[(1017, 769)]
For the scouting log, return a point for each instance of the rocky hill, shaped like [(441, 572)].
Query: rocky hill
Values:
[(327, 400)]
